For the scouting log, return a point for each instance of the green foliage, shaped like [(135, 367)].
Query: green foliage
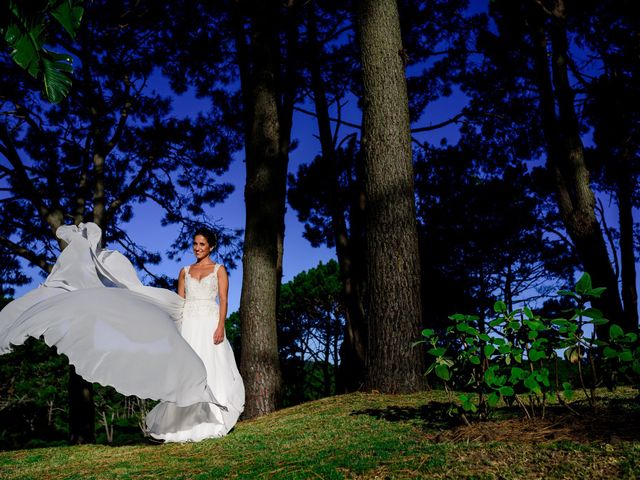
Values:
[(34, 408), (25, 26), (33, 388), (519, 354), (310, 332)]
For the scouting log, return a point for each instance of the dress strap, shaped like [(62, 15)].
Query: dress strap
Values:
[(215, 269), (186, 269)]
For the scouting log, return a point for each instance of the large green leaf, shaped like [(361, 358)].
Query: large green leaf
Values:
[(531, 383), (25, 47), (615, 331), (500, 307), (488, 350), (597, 292), (57, 71), (437, 352), (442, 371), (507, 391), (25, 34), (493, 398), (583, 285), (69, 15)]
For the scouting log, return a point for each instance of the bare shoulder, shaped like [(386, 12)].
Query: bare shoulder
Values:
[(222, 270), (183, 272)]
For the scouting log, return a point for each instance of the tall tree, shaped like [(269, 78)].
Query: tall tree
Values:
[(613, 102), (526, 93), (268, 92), (215, 45), (327, 195), (393, 263), (355, 340), (565, 150)]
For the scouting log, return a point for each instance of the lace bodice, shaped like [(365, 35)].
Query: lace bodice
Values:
[(201, 294)]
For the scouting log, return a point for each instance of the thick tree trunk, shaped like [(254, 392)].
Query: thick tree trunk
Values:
[(353, 352), (566, 161), (259, 362), (393, 264)]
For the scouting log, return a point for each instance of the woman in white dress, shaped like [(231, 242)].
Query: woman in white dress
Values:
[(118, 332), (203, 327)]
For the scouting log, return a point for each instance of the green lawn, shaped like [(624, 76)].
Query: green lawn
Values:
[(349, 436)]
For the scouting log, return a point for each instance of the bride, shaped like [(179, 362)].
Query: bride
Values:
[(203, 328), (120, 333)]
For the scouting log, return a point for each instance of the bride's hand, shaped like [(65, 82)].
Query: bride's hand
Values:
[(218, 336)]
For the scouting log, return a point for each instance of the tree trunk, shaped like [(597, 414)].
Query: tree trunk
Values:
[(353, 351), (259, 362), (393, 264), (627, 253), (566, 161), (81, 409)]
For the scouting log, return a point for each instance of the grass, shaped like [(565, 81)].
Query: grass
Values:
[(350, 436)]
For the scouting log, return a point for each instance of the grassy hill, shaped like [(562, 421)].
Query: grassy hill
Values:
[(365, 436)]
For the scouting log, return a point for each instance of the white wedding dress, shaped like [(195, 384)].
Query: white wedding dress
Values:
[(173, 423), (118, 332)]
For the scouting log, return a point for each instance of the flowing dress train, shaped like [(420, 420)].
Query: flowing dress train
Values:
[(114, 330)]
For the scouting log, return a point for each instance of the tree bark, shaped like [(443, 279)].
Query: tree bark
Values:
[(353, 351), (259, 362), (565, 160), (82, 412), (393, 264)]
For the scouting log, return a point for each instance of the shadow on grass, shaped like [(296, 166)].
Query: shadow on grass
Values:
[(431, 416), (123, 437), (618, 420)]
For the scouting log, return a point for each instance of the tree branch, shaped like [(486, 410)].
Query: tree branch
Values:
[(53, 218), (130, 189), (562, 237), (428, 128), (124, 115), (340, 122), (600, 209), (453, 119), (35, 259)]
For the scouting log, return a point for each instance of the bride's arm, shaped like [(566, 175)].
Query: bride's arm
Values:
[(223, 293), (181, 283)]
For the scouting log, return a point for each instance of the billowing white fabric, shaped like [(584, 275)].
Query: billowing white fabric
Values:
[(173, 423), (114, 330)]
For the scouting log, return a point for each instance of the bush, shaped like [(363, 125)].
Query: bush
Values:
[(521, 358)]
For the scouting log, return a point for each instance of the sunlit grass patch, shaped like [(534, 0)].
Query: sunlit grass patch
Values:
[(349, 436)]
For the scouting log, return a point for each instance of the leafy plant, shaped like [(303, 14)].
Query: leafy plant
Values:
[(24, 26), (516, 356)]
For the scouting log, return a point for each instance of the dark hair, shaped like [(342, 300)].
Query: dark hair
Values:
[(209, 235)]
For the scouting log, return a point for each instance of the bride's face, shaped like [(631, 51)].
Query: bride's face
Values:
[(201, 247)]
